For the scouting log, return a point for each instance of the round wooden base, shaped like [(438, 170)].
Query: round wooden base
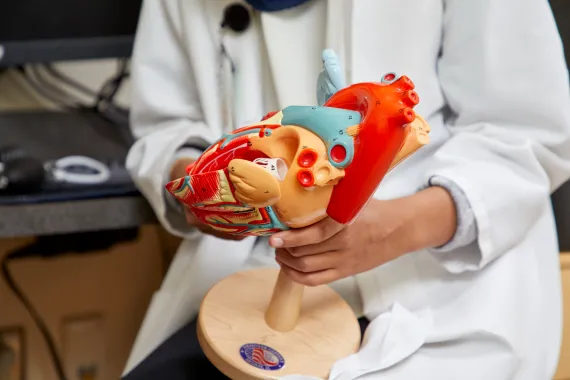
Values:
[(236, 339)]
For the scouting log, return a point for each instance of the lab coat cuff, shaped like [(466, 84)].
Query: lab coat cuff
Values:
[(466, 230), (466, 250)]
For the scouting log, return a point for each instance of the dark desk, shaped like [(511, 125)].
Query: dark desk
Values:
[(51, 135), (74, 216)]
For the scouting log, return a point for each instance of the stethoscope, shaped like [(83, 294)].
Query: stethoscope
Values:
[(237, 19), (21, 172)]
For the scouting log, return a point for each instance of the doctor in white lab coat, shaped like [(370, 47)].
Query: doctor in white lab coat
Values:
[(483, 304)]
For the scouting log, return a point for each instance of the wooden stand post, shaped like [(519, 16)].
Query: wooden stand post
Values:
[(285, 306)]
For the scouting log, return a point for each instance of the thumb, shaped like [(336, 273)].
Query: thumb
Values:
[(190, 217), (178, 169)]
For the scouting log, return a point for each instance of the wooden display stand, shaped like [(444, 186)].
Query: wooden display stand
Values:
[(250, 331)]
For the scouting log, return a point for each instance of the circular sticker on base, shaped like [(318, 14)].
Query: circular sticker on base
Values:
[(262, 357)]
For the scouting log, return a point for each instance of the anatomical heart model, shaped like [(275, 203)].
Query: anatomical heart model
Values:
[(302, 164), (294, 168)]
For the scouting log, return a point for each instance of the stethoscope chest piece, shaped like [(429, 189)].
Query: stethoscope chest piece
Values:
[(236, 17)]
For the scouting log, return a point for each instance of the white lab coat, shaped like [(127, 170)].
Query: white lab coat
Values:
[(494, 87)]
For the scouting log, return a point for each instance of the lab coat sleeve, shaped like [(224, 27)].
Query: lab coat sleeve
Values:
[(165, 109), (503, 74)]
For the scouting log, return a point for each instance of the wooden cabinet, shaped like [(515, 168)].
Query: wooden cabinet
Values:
[(563, 372), (93, 304)]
